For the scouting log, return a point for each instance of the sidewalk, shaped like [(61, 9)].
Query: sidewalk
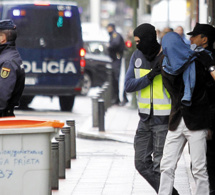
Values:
[(107, 167)]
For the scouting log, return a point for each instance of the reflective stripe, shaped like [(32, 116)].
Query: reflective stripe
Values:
[(161, 97)]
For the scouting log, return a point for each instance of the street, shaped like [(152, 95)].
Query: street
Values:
[(103, 167)]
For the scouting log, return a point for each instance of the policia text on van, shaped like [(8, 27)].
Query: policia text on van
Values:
[(50, 44)]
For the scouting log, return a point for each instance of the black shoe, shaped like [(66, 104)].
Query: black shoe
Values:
[(123, 102), (175, 192), (115, 102)]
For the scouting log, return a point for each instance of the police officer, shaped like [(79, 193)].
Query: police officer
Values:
[(12, 74), (116, 48), (203, 35), (144, 77)]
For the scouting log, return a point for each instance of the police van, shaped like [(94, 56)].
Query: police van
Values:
[(51, 46)]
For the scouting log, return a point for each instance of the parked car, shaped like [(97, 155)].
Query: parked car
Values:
[(96, 59)]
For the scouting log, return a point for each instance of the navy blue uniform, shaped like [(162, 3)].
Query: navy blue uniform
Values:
[(12, 79), (116, 48)]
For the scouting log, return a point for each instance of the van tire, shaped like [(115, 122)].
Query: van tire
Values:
[(66, 103)]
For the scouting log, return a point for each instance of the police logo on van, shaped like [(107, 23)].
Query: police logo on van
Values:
[(138, 63), (5, 72), (50, 67)]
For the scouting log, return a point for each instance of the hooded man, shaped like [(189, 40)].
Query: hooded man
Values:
[(144, 77), (187, 122)]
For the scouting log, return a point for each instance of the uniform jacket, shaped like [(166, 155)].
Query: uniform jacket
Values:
[(12, 77), (116, 46), (133, 84)]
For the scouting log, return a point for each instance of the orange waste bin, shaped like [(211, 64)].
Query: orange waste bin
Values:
[(25, 155)]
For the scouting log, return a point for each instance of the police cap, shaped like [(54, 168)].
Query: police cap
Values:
[(7, 25), (204, 29), (111, 25)]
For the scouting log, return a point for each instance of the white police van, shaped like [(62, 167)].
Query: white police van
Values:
[(50, 44)]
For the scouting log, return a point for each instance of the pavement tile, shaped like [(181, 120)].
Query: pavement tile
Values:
[(117, 189)]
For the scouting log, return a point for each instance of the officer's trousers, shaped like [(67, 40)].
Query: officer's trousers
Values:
[(116, 65), (174, 145), (148, 144)]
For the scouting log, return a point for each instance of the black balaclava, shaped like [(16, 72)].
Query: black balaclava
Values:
[(148, 44)]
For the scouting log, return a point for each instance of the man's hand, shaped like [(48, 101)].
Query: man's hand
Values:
[(155, 71), (213, 74)]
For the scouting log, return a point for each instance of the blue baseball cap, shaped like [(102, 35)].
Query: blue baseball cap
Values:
[(7, 24)]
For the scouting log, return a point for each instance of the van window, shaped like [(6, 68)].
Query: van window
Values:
[(49, 25)]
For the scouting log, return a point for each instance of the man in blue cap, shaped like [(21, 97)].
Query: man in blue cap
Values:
[(116, 48), (12, 74)]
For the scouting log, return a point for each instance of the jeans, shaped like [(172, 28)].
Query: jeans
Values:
[(148, 144)]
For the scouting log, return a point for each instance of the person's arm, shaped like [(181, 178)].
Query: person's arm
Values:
[(133, 84), (209, 62), (7, 83)]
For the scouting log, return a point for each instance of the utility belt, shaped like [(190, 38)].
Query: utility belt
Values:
[(7, 112)]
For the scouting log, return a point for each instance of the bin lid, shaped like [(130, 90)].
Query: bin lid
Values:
[(27, 122)]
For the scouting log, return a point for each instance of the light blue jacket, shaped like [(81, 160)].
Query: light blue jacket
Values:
[(180, 58)]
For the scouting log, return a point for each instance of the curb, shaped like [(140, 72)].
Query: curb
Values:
[(103, 136)]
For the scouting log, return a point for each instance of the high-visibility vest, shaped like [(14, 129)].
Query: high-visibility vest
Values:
[(155, 94)]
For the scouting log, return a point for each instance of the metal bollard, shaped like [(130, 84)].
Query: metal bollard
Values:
[(54, 164), (109, 72), (108, 94), (62, 158), (100, 93), (66, 131), (95, 111), (102, 96), (101, 114), (105, 88), (71, 123)]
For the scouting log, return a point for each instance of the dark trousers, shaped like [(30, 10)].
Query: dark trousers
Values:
[(116, 65), (211, 164), (148, 144)]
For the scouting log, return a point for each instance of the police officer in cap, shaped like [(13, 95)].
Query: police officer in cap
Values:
[(115, 49), (203, 36), (12, 74)]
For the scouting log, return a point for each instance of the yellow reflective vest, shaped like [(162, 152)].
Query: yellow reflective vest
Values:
[(155, 94)]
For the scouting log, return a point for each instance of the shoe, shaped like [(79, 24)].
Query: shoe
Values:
[(115, 102), (175, 192), (123, 102)]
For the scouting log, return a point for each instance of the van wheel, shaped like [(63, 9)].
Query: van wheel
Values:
[(24, 101), (87, 84), (66, 103)]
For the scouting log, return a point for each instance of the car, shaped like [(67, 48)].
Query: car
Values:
[(95, 43), (97, 59)]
